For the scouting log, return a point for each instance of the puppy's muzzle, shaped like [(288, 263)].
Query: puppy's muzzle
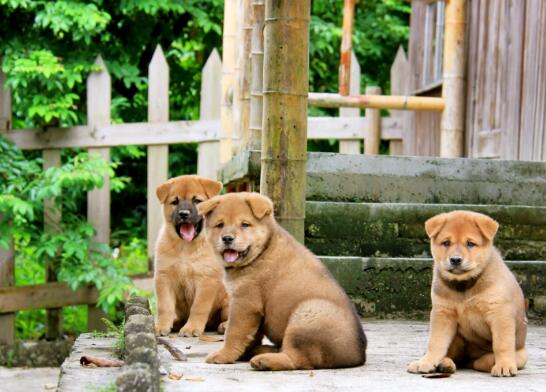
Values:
[(455, 261), (184, 214), (228, 239)]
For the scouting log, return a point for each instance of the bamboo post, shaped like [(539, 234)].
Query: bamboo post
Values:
[(452, 126), (208, 160), (346, 47), (351, 146), (256, 85), (393, 102), (7, 265), (373, 122), (284, 141), (228, 64), (52, 219), (242, 91), (98, 200), (158, 156)]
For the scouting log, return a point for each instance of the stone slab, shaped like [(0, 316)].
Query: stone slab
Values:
[(28, 379)]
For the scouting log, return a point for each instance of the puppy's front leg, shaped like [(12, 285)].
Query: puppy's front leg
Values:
[(443, 327), (503, 330), (166, 305), (205, 295), (243, 323)]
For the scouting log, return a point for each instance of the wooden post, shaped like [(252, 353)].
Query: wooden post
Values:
[(345, 68), (7, 265), (351, 146), (208, 160), (284, 141), (400, 86), (228, 78), (52, 219), (242, 90), (158, 156), (452, 126), (256, 85), (98, 200), (373, 122)]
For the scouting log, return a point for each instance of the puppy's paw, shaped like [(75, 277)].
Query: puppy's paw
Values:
[(504, 369), (162, 329), (446, 365), (220, 357), (222, 327), (422, 365), (191, 330), (275, 361)]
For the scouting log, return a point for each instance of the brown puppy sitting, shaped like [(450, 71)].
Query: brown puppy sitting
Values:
[(279, 289), (188, 280), (478, 311)]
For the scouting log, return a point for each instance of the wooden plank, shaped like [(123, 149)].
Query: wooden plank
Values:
[(400, 70), (373, 120), (172, 132), (52, 219), (98, 200), (350, 147), (489, 143), (158, 156), (208, 153)]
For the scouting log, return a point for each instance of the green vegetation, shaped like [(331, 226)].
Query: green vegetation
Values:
[(47, 49)]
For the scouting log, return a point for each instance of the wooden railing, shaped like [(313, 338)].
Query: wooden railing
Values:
[(99, 135)]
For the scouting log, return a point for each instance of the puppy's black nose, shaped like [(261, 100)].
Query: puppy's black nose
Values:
[(455, 261), (184, 213), (228, 239)]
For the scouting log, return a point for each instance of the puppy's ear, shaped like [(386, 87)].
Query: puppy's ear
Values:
[(487, 225), (435, 224), (206, 207), (162, 191), (212, 187), (259, 204)]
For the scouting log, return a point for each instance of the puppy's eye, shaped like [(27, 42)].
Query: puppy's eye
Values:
[(196, 200), (446, 243), (175, 202), (220, 225), (244, 225), (470, 244)]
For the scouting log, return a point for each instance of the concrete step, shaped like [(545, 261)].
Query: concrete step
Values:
[(400, 287), (393, 179), (397, 229)]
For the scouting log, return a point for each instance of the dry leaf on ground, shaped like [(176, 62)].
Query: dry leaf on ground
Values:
[(436, 375), (90, 361), (175, 376), (50, 386), (211, 338), (196, 379)]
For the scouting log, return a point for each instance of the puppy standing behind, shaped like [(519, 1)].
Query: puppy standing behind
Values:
[(279, 289), (478, 311), (188, 280)]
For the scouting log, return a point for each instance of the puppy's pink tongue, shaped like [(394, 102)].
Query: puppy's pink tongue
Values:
[(187, 231), (230, 255)]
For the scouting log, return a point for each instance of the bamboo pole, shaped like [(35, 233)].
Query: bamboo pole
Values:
[(392, 102), (256, 85), (228, 64), (452, 126), (284, 141), (373, 120), (346, 47)]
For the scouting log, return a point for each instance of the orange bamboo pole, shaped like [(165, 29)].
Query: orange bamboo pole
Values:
[(452, 125), (392, 102), (346, 47)]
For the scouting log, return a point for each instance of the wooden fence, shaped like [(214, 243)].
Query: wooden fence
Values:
[(99, 135)]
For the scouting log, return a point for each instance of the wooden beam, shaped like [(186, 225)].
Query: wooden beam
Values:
[(327, 100), (373, 129), (350, 147), (257, 73), (346, 47), (138, 134), (452, 125)]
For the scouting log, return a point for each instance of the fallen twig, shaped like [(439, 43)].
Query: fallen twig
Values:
[(87, 360), (175, 352)]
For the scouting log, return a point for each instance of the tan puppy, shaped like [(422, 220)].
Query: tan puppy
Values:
[(188, 279), (279, 289), (478, 310)]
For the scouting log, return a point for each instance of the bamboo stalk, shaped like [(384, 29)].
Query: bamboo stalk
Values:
[(284, 141), (256, 85), (346, 47), (452, 126), (228, 64), (393, 102), (373, 120)]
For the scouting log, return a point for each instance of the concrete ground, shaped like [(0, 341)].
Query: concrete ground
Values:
[(392, 344), (28, 379)]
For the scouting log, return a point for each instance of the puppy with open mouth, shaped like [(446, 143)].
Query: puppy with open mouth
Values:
[(280, 290), (188, 281), (478, 311)]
